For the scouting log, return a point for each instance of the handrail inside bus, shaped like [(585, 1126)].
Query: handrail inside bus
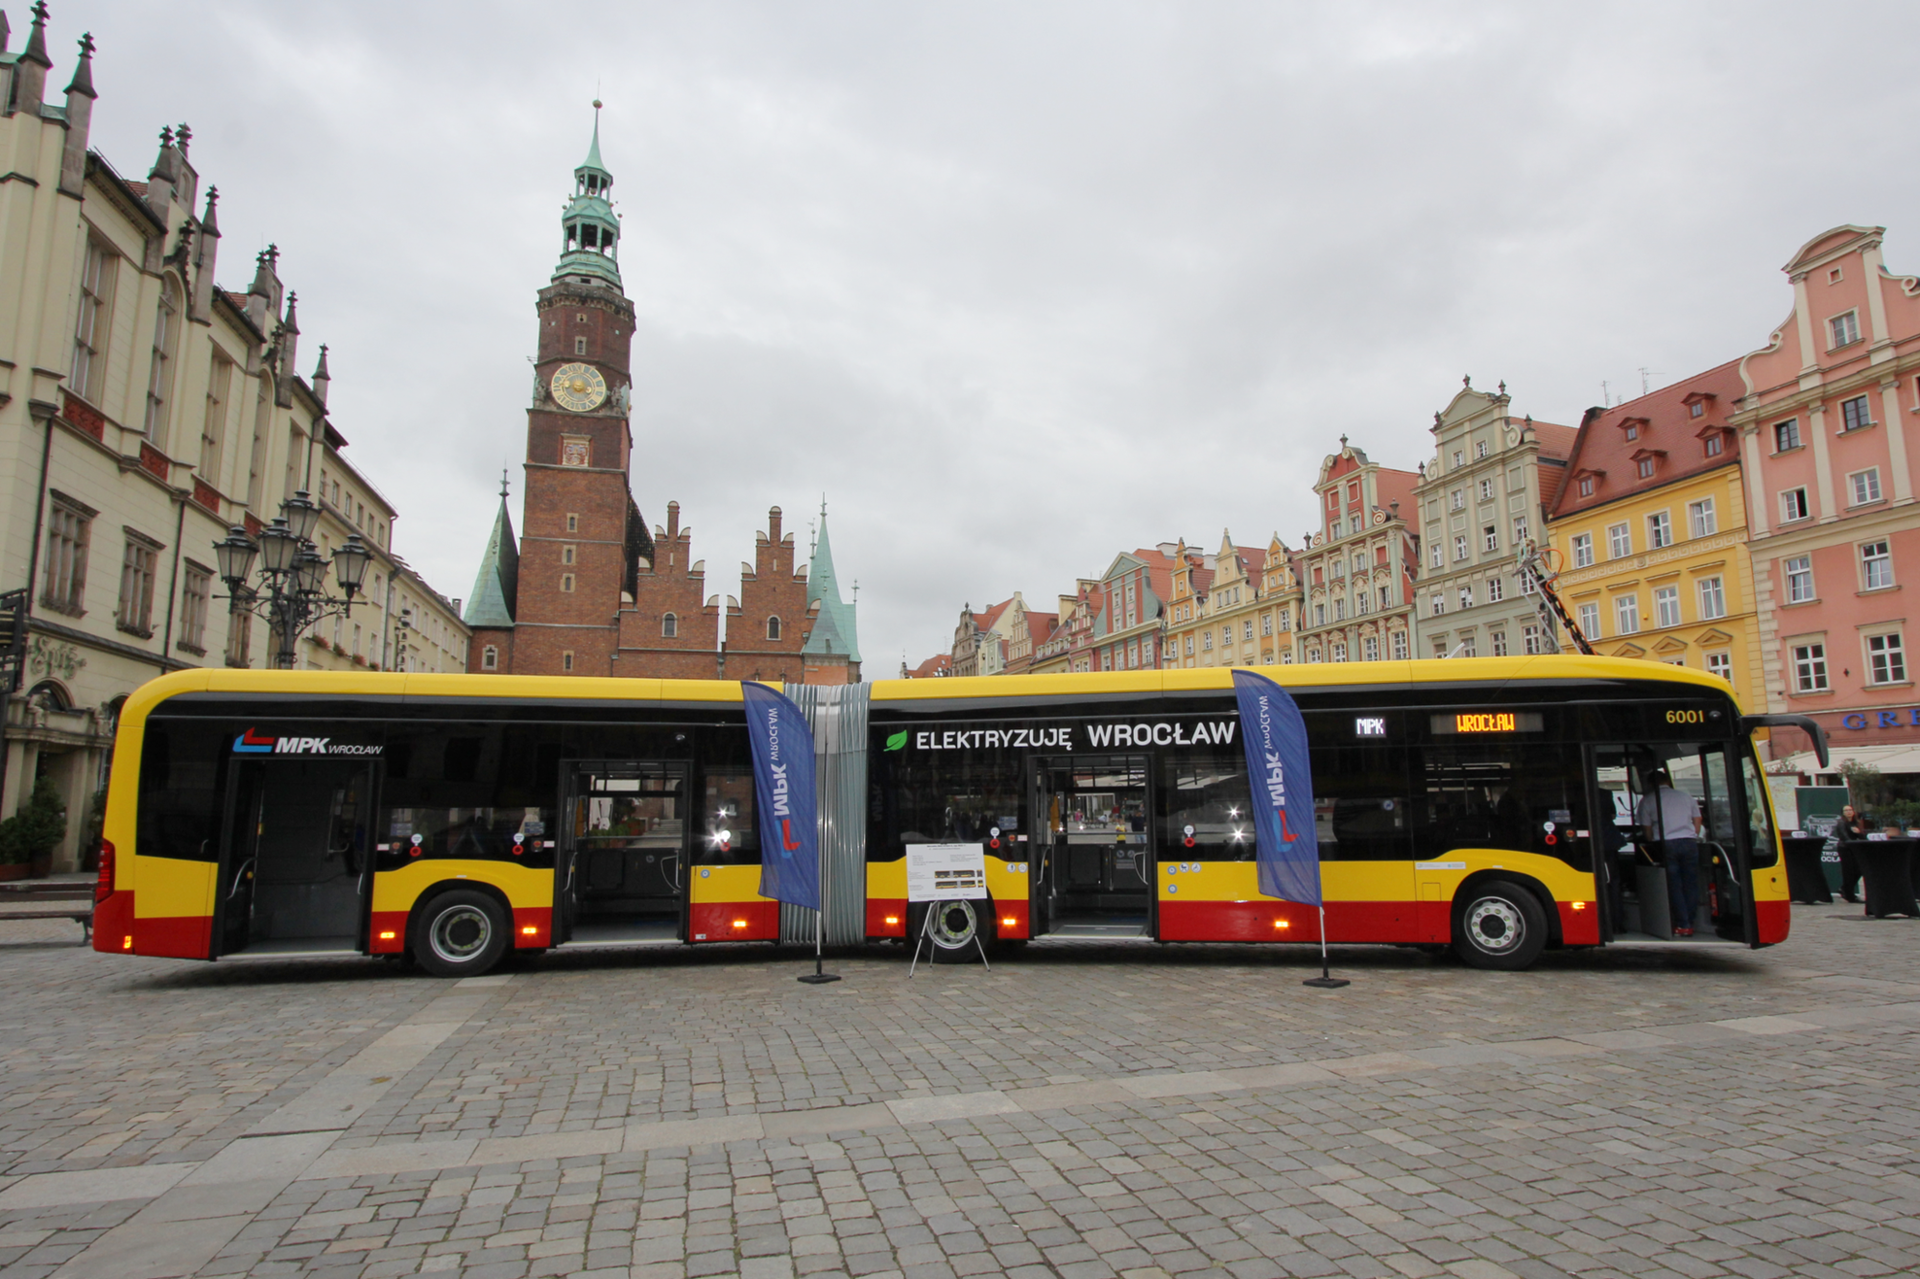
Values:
[(1804, 723)]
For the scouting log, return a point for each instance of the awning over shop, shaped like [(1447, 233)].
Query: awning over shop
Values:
[(1902, 758)]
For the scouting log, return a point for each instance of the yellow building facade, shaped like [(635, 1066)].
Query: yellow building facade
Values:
[(1651, 533)]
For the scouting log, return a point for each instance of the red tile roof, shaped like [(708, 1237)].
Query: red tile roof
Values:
[(1666, 428), (939, 664)]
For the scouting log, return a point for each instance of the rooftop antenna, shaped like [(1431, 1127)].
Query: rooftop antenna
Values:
[(1606, 400), (1646, 374)]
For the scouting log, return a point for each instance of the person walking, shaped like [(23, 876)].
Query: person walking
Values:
[(1852, 827), (1673, 817)]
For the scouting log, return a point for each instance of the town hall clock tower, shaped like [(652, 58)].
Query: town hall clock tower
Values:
[(584, 535)]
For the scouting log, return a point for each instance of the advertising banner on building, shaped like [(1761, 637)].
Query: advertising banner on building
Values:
[(1286, 847), (783, 792)]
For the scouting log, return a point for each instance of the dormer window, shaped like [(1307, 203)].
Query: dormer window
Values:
[(1632, 426), (1696, 409)]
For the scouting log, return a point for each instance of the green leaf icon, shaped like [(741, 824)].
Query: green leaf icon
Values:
[(897, 741)]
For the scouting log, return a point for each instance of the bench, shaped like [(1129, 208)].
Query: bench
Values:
[(40, 898)]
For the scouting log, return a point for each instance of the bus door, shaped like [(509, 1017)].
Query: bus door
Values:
[(295, 870), (1645, 886), (622, 862), (1093, 868)]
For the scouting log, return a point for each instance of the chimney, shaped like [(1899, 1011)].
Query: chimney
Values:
[(80, 96), (773, 525), (673, 521), (289, 353), (30, 73), (322, 380), (204, 259)]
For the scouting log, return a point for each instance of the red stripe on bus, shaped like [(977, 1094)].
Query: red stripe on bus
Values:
[(389, 932), (1010, 920), (887, 916), (1774, 919), (533, 927), (113, 923), (715, 921), (176, 936), (1264, 920), (1579, 927)]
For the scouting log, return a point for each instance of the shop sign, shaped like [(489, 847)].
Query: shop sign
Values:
[(1860, 721)]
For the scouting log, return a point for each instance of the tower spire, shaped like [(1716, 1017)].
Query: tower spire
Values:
[(590, 228)]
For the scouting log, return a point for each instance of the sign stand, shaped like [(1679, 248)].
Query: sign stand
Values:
[(926, 935), (1325, 981), (938, 874)]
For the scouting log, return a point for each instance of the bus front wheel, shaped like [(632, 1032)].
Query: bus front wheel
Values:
[(1500, 926), (461, 933)]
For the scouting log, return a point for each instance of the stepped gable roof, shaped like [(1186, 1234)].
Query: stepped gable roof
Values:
[(1662, 426), (496, 589)]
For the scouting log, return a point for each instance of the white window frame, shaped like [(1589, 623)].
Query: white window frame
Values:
[(1666, 606), (1786, 435), (1588, 617), (1886, 655), (1659, 530), (1496, 589), (1711, 594), (1626, 613), (1583, 550), (1843, 330), (1809, 663), (1876, 564), (1856, 414), (1794, 505), (1720, 662), (1863, 487), (1800, 587), (1399, 646), (1619, 541), (1702, 519)]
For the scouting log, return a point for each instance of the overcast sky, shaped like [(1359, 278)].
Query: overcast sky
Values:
[(1019, 285)]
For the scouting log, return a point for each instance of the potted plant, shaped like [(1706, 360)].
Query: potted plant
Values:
[(28, 838)]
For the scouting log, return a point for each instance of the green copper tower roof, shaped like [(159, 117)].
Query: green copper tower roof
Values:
[(834, 630), (496, 590), (590, 229)]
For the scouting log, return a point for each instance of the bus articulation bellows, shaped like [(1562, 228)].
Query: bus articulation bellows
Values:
[(1489, 805)]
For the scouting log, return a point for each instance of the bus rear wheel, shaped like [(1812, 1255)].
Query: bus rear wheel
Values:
[(1500, 926), (461, 933)]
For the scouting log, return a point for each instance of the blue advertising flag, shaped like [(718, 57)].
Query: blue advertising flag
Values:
[(1286, 846), (783, 791)]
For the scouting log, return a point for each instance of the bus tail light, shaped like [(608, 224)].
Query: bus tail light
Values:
[(528, 930), (126, 943), (739, 923), (389, 935), (892, 920), (1281, 923), (1008, 921), (103, 886), (1579, 905)]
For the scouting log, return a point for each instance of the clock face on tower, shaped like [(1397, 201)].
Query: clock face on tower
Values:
[(578, 387)]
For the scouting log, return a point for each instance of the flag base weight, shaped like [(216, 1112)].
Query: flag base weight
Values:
[(1323, 983), (821, 979)]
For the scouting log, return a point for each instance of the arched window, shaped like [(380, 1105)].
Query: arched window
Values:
[(160, 376), (669, 626), (489, 658), (773, 628)]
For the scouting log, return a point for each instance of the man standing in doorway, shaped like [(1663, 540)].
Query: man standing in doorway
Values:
[(1673, 817)]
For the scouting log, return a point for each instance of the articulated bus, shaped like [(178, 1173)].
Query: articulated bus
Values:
[(1490, 805)]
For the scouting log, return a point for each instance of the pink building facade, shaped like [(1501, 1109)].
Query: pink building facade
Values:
[(1827, 426), (1358, 568)]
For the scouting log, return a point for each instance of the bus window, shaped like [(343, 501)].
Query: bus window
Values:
[(1507, 796), (1763, 849), (1360, 810), (732, 833), (1209, 811)]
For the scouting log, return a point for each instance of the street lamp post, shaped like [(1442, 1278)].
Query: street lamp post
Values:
[(290, 588)]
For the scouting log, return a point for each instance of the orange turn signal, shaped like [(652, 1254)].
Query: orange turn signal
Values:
[(127, 943), (1579, 905)]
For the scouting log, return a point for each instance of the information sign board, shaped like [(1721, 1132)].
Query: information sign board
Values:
[(946, 872)]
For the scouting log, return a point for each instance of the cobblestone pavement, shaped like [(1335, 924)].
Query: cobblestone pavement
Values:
[(1080, 1111)]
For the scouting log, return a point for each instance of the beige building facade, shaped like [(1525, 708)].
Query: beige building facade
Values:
[(1483, 499), (144, 411)]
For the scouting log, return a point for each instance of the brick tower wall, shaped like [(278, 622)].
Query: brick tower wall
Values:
[(502, 642), (576, 513), (775, 588)]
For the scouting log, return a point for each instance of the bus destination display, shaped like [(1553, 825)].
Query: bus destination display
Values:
[(1450, 722)]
